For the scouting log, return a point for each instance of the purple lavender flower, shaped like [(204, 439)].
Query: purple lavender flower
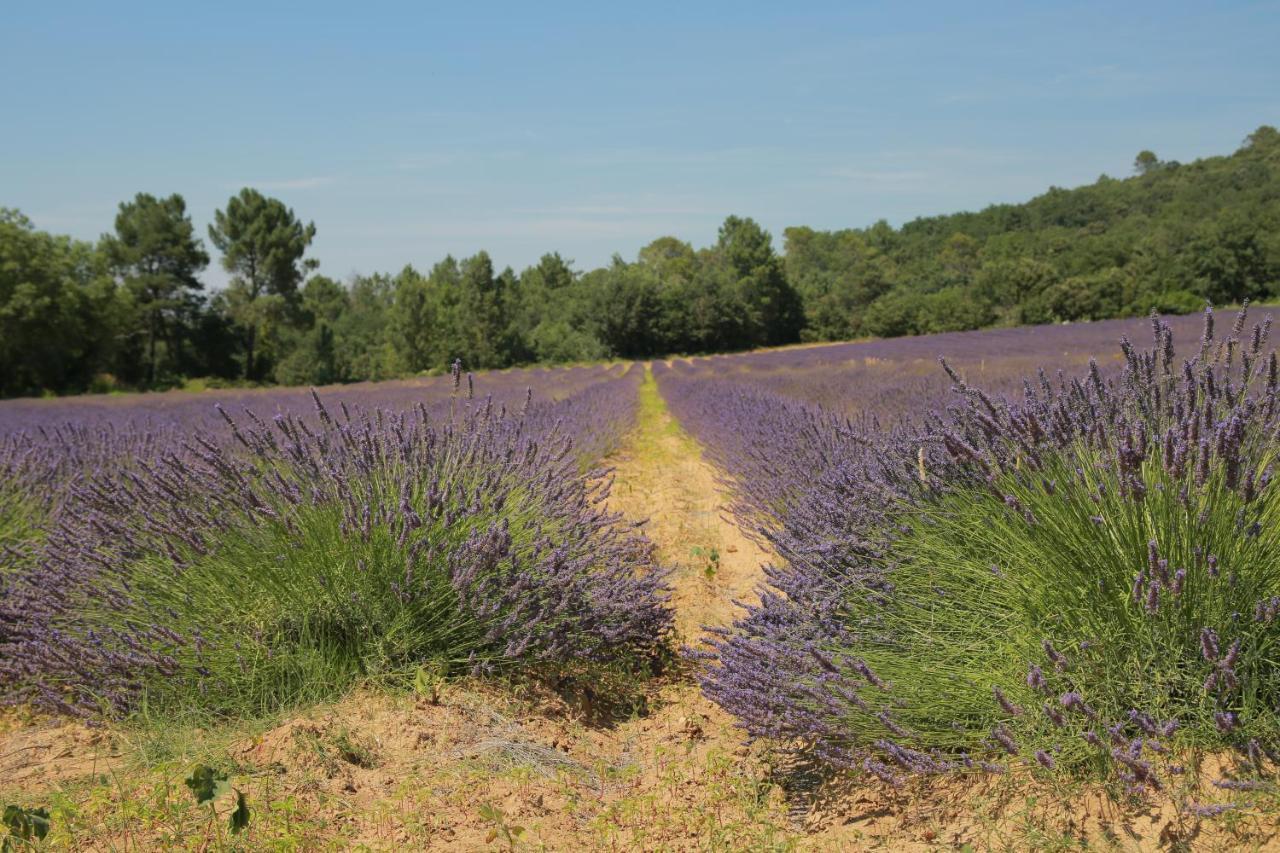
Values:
[(1210, 810), (1059, 660), (1005, 703), (1076, 702), (1209, 644), (1005, 740)]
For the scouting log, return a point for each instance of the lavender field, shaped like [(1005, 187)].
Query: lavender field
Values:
[(1038, 557), (466, 525), (989, 568)]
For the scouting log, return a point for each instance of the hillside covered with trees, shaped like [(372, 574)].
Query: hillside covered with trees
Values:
[(131, 310)]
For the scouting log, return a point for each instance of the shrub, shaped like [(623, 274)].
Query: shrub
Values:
[(237, 577), (1081, 578), (895, 313)]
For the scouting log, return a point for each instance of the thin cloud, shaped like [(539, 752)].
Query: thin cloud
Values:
[(615, 211), (892, 179), (433, 160), (294, 184)]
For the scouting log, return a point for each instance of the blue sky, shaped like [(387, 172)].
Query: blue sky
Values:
[(410, 130)]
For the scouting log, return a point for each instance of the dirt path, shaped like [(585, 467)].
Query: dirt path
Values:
[(661, 476)]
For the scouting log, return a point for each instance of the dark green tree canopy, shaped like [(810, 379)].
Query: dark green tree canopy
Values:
[(262, 244), (1145, 162), (157, 256), (57, 310)]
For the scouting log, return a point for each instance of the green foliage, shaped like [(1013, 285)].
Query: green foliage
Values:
[(1169, 238), (770, 308), (262, 244), (207, 784), (58, 310), (509, 833), (26, 827), (836, 273), (239, 819), (710, 558), (296, 608), (157, 257), (313, 357), (306, 621), (977, 590)]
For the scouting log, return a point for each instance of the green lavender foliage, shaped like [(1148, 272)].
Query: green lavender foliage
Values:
[(977, 590)]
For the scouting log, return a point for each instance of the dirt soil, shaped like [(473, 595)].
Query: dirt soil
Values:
[(488, 767)]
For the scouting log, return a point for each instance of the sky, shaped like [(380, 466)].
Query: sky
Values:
[(408, 131)]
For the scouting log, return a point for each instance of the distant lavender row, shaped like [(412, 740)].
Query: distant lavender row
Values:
[(45, 442), (161, 412), (775, 421), (891, 378)]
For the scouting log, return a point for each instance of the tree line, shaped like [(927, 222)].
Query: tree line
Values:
[(131, 311)]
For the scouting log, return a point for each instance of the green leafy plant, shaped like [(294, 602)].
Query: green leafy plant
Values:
[(710, 558), (26, 827), (428, 680), (239, 819), (353, 750), (501, 829), (207, 784)]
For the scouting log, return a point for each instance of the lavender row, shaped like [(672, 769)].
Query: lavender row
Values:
[(1113, 534), (890, 378), (230, 568), (186, 411)]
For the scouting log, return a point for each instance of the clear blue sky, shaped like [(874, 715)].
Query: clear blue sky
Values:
[(410, 130)]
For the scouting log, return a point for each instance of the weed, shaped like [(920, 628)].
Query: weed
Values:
[(710, 559), (509, 833)]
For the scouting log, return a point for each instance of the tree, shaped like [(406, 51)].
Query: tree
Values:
[(630, 323), (262, 245), (837, 274), (958, 260), (479, 328), (1231, 262), (1264, 138), (1009, 282), (673, 260), (58, 310), (364, 329), (1145, 163), (417, 317), (156, 254), (542, 296), (772, 312), (313, 357)]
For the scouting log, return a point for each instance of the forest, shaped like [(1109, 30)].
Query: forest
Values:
[(132, 312)]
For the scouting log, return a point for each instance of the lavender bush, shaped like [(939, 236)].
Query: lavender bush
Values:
[(277, 561), (1087, 577)]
